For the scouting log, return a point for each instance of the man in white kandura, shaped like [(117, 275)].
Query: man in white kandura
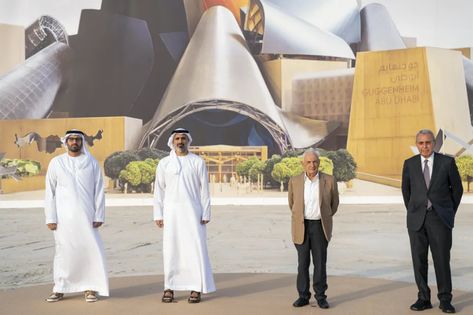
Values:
[(74, 209), (182, 207)]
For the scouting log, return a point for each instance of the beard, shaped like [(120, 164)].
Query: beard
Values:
[(180, 148), (74, 148)]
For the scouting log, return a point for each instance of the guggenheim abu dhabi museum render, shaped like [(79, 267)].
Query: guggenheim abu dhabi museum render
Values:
[(276, 73), (218, 75)]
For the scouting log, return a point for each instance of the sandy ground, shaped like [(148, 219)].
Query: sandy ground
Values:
[(248, 293), (369, 241)]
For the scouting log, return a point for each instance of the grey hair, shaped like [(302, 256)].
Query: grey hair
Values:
[(425, 132), (311, 150)]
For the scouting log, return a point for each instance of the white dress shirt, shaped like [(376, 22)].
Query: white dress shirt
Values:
[(430, 162), (311, 198)]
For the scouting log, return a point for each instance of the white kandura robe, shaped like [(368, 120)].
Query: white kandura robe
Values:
[(182, 200), (74, 200)]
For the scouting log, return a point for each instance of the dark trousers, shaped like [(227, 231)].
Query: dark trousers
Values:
[(438, 236), (315, 242)]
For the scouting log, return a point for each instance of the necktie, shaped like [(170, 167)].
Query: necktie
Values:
[(427, 179)]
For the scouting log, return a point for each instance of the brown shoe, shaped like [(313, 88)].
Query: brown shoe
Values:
[(194, 297), (168, 296)]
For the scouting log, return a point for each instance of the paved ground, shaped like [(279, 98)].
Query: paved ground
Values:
[(237, 294), (252, 254), (369, 241)]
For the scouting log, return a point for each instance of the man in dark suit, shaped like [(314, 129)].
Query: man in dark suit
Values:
[(313, 200), (432, 190)]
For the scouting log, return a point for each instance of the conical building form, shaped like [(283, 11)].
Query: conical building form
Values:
[(217, 72)]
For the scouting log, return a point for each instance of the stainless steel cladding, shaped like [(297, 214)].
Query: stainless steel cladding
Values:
[(29, 90)]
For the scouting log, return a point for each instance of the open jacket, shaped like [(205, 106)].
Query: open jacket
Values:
[(328, 198)]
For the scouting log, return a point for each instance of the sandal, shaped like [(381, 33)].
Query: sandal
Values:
[(55, 297), (194, 297), (90, 296), (168, 296)]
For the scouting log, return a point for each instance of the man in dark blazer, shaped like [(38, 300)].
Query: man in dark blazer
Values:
[(432, 190), (313, 200)]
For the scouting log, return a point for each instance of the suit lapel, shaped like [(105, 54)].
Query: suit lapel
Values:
[(435, 169), (301, 190), (321, 187), (418, 170)]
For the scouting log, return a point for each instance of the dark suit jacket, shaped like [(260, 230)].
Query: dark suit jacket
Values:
[(445, 190), (328, 198)]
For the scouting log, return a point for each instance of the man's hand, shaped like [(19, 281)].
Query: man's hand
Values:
[(96, 224), (52, 226), (159, 223), (205, 221)]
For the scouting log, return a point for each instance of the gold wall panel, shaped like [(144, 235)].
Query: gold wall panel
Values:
[(10, 185), (324, 95), (279, 74), (395, 94), (119, 133), (466, 51)]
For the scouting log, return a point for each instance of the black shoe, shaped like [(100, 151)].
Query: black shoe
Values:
[(323, 303), (447, 307), (421, 305), (300, 302)]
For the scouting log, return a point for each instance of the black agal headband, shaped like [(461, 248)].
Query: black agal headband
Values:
[(179, 130), (74, 131)]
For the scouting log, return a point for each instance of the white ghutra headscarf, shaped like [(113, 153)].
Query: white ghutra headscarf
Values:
[(172, 154), (85, 156)]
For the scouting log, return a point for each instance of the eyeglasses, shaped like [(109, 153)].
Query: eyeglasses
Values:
[(75, 139)]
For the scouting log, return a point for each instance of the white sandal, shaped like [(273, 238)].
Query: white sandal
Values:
[(90, 296), (55, 297)]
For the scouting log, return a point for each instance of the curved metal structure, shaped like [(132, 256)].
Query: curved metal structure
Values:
[(275, 130), (43, 32), (167, 22), (194, 10), (339, 17), (378, 31), (217, 72), (305, 132), (272, 30), (28, 91), (113, 59)]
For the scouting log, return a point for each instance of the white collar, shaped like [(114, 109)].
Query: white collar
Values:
[(316, 177), (430, 158)]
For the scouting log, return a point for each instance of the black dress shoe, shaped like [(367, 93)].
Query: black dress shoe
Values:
[(323, 303), (421, 305), (447, 307), (300, 302)]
